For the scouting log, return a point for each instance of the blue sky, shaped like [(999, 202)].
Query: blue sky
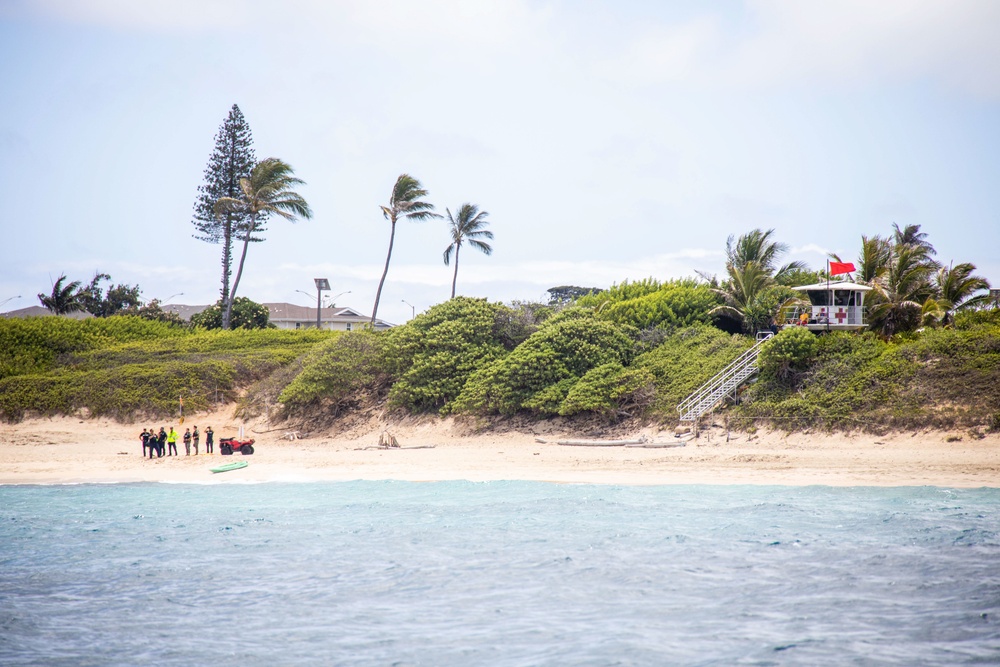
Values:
[(607, 141)]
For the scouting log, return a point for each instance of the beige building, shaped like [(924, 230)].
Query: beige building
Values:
[(290, 316)]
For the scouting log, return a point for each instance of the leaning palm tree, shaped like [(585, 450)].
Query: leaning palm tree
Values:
[(267, 190), (405, 202), (64, 298), (756, 246), (468, 225)]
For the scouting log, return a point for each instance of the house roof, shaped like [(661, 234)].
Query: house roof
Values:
[(39, 311), (295, 313), (842, 285)]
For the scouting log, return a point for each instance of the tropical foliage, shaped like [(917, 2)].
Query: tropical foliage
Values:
[(753, 292), (909, 287), (127, 367), (551, 360)]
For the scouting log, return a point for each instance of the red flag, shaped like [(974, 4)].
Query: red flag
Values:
[(836, 268)]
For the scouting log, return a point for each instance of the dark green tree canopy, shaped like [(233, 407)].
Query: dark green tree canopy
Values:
[(119, 299), (566, 294), (246, 314), (232, 159)]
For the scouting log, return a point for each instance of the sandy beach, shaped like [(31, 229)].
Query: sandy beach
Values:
[(72, 450)]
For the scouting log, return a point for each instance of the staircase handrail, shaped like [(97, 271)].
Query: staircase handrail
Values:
[(717, 382)]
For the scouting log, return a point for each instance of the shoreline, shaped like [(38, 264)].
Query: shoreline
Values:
[(70, 451)]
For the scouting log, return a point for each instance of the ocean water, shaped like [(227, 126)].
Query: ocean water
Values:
[(508, 573)]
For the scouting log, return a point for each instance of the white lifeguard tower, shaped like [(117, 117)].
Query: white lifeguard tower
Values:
[(838, 306)]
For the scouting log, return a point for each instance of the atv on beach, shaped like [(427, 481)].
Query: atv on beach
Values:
[(228, 445)]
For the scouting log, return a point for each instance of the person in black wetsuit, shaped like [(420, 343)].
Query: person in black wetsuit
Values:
[(209, 439), (161, 443), (145, 441)]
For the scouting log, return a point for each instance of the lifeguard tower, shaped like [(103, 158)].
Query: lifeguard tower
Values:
[(836, 306)]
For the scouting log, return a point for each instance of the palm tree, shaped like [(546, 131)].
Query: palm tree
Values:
[(874, 259), (268, 190), (64, 298), (901, 291), (957, 289), (469, 225), (751, 294), (746, 295), (757, 246), (403, 203)]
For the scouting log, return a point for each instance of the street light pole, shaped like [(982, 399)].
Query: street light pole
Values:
[(333, 301), (321, 284), (10, 299), (413, 311)]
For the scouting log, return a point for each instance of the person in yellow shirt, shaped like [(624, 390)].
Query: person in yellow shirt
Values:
[(172, 442)]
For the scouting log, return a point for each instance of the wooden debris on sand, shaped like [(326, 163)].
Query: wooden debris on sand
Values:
[(594, 443), (641, 441), (387, 440)]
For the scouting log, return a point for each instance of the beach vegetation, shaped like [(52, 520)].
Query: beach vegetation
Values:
[(788, 353), (565, 347), (684, 359), (563, 295), (126, 366)]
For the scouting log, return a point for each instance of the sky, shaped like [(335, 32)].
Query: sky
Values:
[(607, 141)]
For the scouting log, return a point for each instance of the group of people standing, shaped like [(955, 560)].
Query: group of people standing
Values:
[(166, 441)]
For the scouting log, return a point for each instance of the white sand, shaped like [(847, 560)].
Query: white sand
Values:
[(72, 450)]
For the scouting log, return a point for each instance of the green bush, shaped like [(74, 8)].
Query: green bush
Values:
[(341, 371), (787, 353), (567, 346), (671, 306), (246, 314), (610, 390), (434, 354)]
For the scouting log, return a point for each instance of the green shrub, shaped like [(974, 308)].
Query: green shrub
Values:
[(671, 306), (434, 354), (246, 314), (610, 390), (340, 371), (787, 353), (567, 346)]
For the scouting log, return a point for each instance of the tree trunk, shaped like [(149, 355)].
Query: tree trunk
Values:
[(385, 272), (455, 277), (227, 313), (227, 262)]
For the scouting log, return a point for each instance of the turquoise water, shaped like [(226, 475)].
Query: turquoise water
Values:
[(509, 573)]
